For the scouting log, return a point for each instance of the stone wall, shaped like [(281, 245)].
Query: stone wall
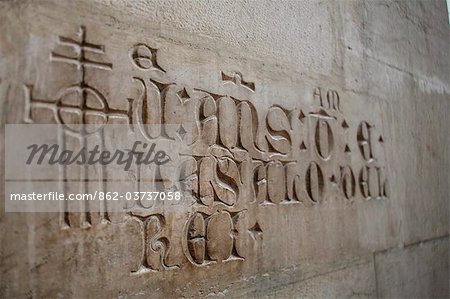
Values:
[(320, 166)]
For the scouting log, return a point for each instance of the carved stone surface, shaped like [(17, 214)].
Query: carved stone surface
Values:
[(295, 171)]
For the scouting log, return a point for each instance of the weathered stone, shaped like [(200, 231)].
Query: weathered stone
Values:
[(317, 135), (419, 270)]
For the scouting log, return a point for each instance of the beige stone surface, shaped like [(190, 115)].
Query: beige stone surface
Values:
[(416, 271), (321, 148)]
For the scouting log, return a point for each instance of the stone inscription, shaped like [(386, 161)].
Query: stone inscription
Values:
[(243, 159)]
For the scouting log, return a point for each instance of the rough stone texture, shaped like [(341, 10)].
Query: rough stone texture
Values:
[(420, 270), (318, 234)]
